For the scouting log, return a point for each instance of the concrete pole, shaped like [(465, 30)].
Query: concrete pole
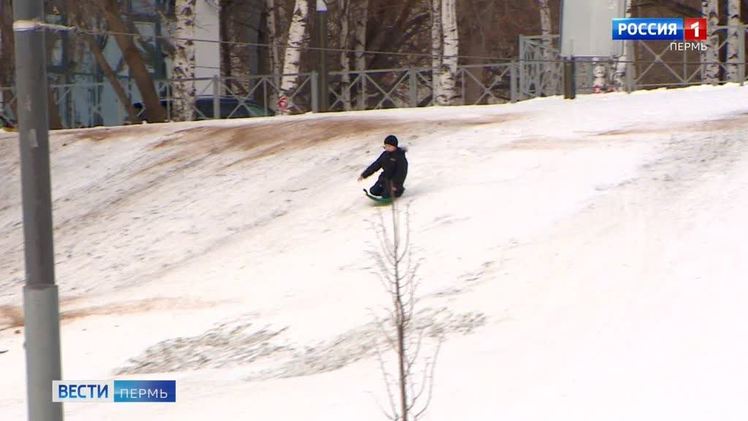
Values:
[(40, 299)]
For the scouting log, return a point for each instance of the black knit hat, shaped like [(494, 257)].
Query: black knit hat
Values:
[(390, 140)]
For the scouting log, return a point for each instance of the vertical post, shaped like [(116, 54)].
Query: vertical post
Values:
[(413, 82), (684, 76), (513, 70), (216, 96), (741, 54), (570, 83), (629, 66), (40, 299), (322, 41), (522, 68), (315, 92)]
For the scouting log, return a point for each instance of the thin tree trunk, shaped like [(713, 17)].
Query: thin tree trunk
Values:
[(132, 114), (297, 35), (710, 57), (401, 352), (621, 65), (273, 40), (401, 319), (226, 27), (437, 49), (345, 63), (388, 39), (55, 122), (7, 59), (448, 82), (183, 68), (733, 32), (53, 107), (154, 112), (103, 64), (546, 27), (7, 56), (359, 42)]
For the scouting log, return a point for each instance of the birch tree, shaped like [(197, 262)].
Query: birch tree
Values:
[(548, 84), (297, 36), (361, 11), (733, 32), (183, 69), (710, 57), (451, 44), (437, 48), (345, 63)]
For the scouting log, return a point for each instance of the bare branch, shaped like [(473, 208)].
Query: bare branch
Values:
[(390, 340), (392, 413), (412, 360), (430, 380)]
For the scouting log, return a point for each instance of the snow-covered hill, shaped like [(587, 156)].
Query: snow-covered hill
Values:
[(585, 258)]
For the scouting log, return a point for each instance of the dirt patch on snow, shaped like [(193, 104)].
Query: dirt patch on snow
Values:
[(737, 122), (270, 137), (12, 316)]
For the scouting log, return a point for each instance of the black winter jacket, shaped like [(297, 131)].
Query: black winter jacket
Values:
[(394, 167)]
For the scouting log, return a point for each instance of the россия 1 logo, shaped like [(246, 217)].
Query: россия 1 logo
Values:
[(660, 29)]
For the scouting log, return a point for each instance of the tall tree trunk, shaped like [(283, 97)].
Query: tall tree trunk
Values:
[(7, 59), (55, 122), (273, 40), (437, 49), (77, 16), (7, 56), (297, 36), (710, 57), (52, 44), (394, 36), (359, 46), (226, 35), (154, 112), (183, 68), (733, 32), (132, 114), (345, 63), (621, 64), (548, 85), (448, 76)]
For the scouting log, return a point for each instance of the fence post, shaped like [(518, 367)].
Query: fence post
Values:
[(630, 81), (513, 70), (315, 92), (216, 96), (521, 77), (741, 54), (413, 74), (570, 78)]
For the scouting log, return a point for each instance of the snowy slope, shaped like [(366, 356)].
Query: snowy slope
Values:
[(588, 257)]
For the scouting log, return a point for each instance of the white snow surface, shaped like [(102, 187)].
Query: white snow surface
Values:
[(587, 258)]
